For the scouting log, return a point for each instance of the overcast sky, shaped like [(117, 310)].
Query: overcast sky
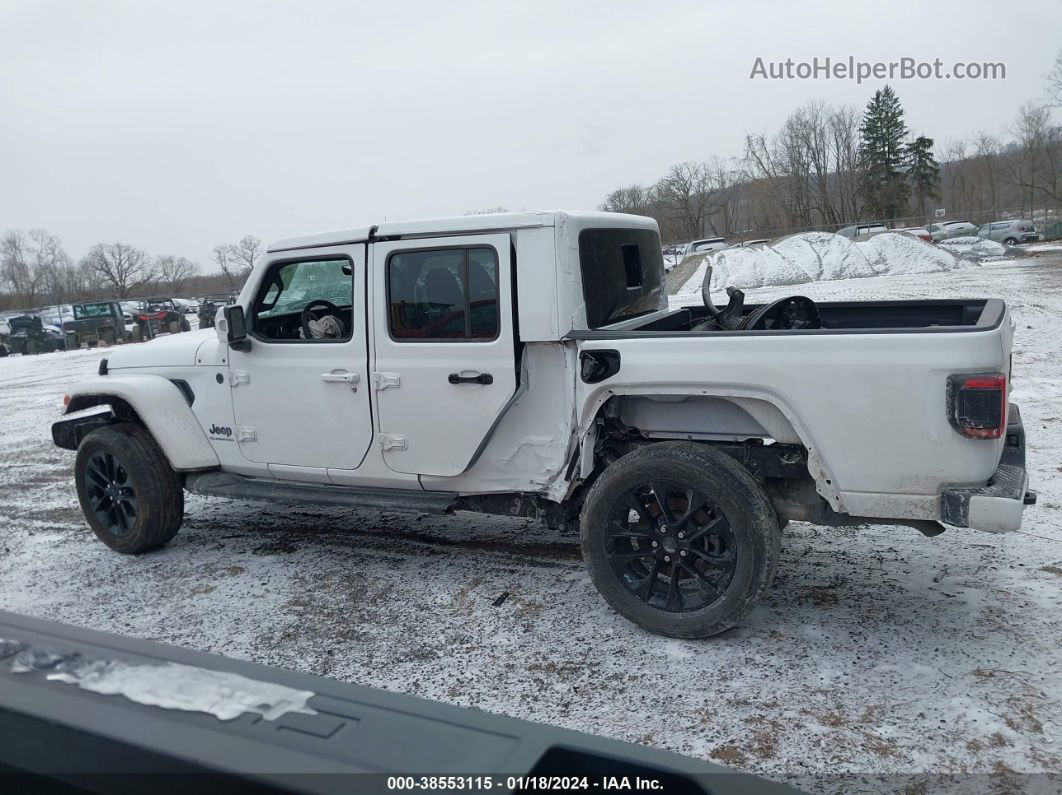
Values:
[(178, 125)]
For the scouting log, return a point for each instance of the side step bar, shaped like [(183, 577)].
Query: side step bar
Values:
[(286, 492)]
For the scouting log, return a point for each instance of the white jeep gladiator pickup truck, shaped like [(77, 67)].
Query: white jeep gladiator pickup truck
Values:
[(528, 364)]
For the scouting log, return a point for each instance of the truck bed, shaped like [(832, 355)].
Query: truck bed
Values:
[(848, 317), (865, 394)]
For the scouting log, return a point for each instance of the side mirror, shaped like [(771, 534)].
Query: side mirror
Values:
[(236, 328)]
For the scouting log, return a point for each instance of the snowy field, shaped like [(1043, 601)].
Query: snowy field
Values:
[(878, 653)]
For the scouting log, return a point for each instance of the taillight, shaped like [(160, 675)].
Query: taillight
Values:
[(977, 404)]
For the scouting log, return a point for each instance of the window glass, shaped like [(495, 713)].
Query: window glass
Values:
[(604, 260), (82, 311), (449, 293), (290, 288)]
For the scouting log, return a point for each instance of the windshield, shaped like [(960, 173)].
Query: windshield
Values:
[(82, 311), (622, 272)]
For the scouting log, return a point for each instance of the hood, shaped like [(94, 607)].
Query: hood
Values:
[(173, 350)]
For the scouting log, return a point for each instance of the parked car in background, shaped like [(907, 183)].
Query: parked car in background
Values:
[(187, 305), (209, 305), (916, 231), (1009, 232), (949, 229), (5, 331), (759, 242), (706, 244), (159, 316), (862, 230), (30, 334), (56, 315), (102, 321)]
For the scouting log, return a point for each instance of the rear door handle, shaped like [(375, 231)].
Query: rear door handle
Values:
[(342, 377), (478, 378)]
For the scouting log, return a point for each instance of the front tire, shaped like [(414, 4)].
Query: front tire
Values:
[(680, 539), (131, 498), (1010, 241)]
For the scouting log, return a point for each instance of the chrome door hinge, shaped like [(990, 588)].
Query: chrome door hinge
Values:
[(237, 377), (392, 441), (245, 433), (384, 380)]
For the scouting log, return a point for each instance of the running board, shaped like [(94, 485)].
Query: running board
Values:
[(286, 492)]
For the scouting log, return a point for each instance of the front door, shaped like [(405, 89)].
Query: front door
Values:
[(300, 394), (444, 367)]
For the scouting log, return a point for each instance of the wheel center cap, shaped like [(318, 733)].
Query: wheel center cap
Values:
[(670, 545)]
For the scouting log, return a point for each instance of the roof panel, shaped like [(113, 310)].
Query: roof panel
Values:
[(456, 224)]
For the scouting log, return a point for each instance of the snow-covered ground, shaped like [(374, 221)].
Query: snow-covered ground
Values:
[(878, 653)]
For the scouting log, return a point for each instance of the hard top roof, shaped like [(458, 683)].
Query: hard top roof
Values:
[(454, 224)]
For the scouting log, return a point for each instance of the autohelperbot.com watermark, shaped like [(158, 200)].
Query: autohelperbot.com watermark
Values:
[(852, 69)]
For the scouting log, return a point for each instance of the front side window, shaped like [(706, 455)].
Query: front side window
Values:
[(305, 300), (443, 294)]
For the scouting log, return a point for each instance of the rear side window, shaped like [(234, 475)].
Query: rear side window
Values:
[(622, 272), (443, 294)]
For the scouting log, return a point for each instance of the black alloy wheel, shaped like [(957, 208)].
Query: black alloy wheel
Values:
[(110, 493), (671, 546)]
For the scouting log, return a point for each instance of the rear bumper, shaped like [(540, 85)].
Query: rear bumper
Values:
[(997, 506)]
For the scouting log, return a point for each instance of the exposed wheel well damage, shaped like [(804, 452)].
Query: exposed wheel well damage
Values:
[(753, 431)]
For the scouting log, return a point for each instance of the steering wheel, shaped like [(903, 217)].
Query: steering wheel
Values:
[(794, 312), (315, 310)]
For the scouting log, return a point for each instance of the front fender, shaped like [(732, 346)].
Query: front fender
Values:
[(161, 406)]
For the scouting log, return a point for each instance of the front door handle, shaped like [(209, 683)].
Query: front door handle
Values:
[(342, 377), (478, 378)]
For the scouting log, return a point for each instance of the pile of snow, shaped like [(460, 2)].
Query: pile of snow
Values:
[(974, 248), (903, 253), (823, 256)]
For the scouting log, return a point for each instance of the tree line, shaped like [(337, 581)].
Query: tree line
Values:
[(35, 271), (832, 165)]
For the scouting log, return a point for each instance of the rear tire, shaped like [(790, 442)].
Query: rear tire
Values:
[(131, 497), (696, 567), (1010, 241)]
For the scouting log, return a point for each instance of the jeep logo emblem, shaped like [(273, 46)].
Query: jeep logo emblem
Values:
[(220, 430)]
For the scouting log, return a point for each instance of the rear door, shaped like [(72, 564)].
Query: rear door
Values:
[(444, 368)]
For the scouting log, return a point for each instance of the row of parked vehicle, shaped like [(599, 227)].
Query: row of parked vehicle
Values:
[(1011, 233), (89, 323)]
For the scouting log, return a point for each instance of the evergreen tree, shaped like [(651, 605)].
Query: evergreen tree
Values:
[(883, 156), (923, 171)]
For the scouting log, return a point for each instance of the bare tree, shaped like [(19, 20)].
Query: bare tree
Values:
[(33, 262), (986, 170), (688, 191), (237, 259), (634, 199), (222, 257), (245, 254), (119, 266), (15, 267), (1040, 147), (174, 272), (1054, 83)]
